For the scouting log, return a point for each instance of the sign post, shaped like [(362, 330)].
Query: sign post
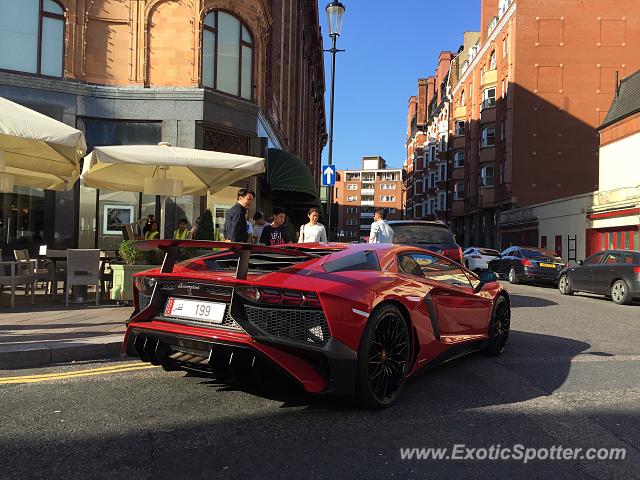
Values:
[(329, 180)]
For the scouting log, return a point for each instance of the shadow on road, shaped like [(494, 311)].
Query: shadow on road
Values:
[(528, 301)]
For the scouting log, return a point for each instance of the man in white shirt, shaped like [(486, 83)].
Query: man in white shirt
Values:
[(381, 232)]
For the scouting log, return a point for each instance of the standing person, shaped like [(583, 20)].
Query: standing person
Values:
[(235, 226), (259, 224), (313, 231), (381, 232), (153, 233), (147, 225), (275, 233), (182, 232)]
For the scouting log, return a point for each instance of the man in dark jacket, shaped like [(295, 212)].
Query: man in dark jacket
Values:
[(235, 226)]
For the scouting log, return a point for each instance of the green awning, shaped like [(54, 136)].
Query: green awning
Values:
[(290, 175)]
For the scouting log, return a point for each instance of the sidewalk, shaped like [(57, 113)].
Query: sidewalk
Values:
[(48, 332)]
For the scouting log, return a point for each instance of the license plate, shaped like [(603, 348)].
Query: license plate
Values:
[(211, 312), (548, 265)]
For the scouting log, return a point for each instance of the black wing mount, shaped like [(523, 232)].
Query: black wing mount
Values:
[(171, 248)]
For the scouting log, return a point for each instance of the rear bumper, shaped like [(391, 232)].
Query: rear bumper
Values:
[(546, 275), (235, 356)]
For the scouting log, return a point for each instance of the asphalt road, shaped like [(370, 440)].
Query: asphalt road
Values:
[(570, 377)]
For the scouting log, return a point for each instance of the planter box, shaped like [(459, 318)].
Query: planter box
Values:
[(122, 289)]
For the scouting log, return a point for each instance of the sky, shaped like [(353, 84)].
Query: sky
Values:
[(389, 45)]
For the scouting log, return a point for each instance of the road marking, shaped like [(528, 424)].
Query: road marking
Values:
[(128, 367)]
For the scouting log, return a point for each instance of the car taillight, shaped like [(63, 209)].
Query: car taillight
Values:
[(276, 296), (453, 254), (636, 270), (526, 263)]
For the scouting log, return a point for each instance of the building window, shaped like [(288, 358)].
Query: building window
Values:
[(463, 99), (418, 186), (442, 201), (351, 221), (442, 172), (352, 198), (489, 97), (459, 127), (458, 159), (32, 37), (458, 191), (486, 177), (392, 210), (505, 46), (352, 209), (353, 177), (488, 138), (558, 248), (387, 198), (492, 61), (543, 241), (388, 186), (502, 130), (352, 186), (503, 167), (227, 55)]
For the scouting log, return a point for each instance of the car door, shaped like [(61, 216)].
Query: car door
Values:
[(498, 263), (582, 276), (457, 310), (605, 271)]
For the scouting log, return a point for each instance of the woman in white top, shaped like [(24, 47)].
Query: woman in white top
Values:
[(313, 231)]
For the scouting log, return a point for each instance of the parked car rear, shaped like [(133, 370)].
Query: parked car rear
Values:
[(615, 273), (527, 264), (476, 258), (430, 235)]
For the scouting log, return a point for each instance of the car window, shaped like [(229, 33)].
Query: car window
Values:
[(434, 268), (516, 253), (416, 234), (505, 252), (486, 251), (407, 264), (627, 258), (594, 259), (538, 252), (613, 257), (468, 251)]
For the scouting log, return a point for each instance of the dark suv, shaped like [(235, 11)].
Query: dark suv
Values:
[(434, 236)]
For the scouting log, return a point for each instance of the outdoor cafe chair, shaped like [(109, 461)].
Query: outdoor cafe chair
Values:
[(13, 274), (83, 268), (41, 274)]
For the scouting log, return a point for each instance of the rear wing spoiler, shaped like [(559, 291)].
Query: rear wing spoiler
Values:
[(171, 248)]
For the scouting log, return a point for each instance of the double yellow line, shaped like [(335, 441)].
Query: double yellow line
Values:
[(127, 367)]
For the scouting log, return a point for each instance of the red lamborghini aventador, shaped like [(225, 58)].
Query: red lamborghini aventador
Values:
[(354, 319)]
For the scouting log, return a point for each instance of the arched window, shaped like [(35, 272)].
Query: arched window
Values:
[(32, 36), (227, 55), (463, 99), (492, 61)]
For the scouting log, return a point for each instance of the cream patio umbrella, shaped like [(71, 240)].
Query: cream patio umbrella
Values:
[(37, 151), (166, 170)]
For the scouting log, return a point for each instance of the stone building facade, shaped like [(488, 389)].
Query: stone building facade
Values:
[(239, 76)]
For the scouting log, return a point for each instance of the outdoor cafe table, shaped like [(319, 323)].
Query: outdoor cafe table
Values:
[(79, 292)]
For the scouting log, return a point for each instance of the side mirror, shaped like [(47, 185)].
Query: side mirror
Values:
[(485, 276), (580, 262)]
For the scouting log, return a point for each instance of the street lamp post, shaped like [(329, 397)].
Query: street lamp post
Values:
[(335, 12)]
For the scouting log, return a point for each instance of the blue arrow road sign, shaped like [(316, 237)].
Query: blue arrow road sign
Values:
[(328, 175)]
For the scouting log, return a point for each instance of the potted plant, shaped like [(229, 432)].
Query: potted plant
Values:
[(134, 261)]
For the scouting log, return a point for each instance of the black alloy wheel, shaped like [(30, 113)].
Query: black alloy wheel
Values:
[(499, 327), (383, 358)]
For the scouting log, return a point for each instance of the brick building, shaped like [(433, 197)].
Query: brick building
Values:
[(233, 76), (358, 193), (525, 97)]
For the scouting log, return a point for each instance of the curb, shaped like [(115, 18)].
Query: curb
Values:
[(27, 355)]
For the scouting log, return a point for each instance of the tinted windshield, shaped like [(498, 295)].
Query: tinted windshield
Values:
[(415, 234), (537, 252)]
